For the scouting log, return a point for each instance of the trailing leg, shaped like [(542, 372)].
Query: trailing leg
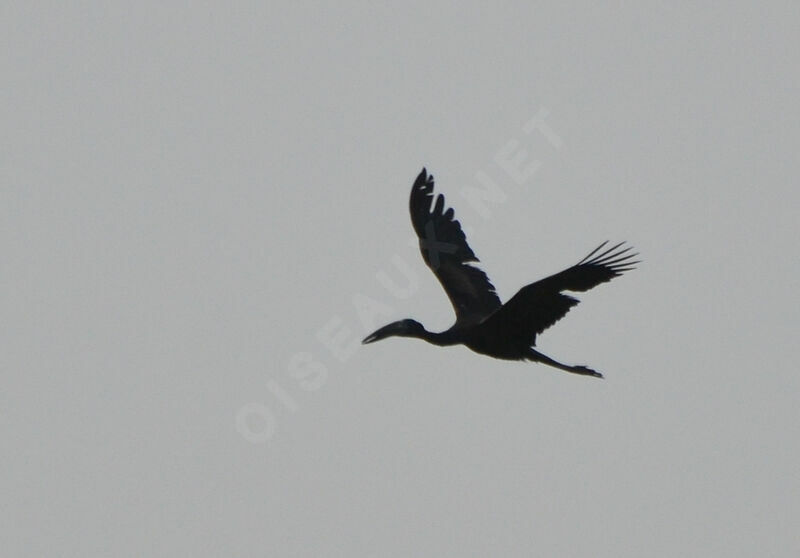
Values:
[(536, 356)]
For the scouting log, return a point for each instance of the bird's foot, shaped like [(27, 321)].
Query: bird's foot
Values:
[(586, 371)]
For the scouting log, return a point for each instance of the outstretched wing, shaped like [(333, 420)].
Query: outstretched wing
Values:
[(539, 305), (444, 248)]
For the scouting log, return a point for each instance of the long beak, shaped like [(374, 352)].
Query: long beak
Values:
[(382, 333), (370, 338)]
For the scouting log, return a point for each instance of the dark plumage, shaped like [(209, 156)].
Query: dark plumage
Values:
[(506, 331)]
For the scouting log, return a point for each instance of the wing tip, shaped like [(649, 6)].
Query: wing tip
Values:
[(424, 181)]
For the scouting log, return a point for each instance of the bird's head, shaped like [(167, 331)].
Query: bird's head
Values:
[(403, 328)]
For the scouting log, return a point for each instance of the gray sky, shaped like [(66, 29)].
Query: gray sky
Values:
[(203, 206)]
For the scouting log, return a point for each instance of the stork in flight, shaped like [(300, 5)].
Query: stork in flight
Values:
[(506, 331)]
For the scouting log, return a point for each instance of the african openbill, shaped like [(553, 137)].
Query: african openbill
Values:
[(506, 331)]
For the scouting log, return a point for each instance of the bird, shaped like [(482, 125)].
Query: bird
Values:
[(484, 325)]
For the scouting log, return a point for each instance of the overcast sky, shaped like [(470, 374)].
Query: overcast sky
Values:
[(204, 209)]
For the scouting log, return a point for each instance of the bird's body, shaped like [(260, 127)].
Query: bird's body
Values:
[(505, 331)]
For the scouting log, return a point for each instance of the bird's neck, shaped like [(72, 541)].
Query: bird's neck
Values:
[(441, 338)]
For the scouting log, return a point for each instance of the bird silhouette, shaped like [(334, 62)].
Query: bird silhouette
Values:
[(505, 331)]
